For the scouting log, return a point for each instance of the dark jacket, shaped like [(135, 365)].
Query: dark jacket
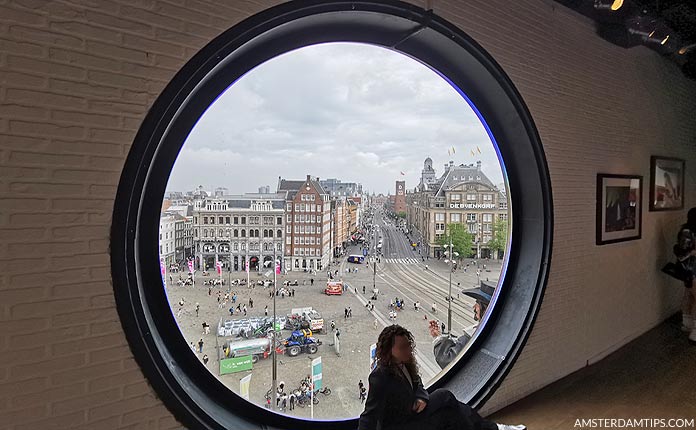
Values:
[(390, 398)]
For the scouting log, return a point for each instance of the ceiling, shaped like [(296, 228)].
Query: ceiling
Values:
[(666, 26)]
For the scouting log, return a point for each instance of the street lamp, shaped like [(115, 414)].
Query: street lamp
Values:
[(452, 254)]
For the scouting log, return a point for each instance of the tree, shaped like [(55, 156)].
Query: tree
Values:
[(401, 215), (462, 240), (499, 240)]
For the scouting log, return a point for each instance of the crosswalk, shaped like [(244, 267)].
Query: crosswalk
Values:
[(403, 260)]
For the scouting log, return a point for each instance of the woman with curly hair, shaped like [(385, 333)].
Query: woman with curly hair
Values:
[(397, 400)]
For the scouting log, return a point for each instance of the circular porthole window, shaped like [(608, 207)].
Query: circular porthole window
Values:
[(315, 227)]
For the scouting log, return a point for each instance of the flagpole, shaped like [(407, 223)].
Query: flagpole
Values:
[(273, 345)]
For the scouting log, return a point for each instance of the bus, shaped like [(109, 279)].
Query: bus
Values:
[(356, 259)]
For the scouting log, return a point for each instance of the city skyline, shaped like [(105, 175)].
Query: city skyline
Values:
[(356, 112)]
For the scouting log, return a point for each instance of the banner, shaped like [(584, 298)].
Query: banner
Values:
[(190, 265), (277, 267), (218, 267), (244, 386), (235, 364), (373, 356), (316, 373), (247, 266)]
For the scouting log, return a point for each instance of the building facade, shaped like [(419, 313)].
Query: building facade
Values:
[(236, 229), (308, 230), (167, 238), (462, 195)]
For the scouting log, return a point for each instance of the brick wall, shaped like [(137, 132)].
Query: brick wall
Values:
[(76, 78)]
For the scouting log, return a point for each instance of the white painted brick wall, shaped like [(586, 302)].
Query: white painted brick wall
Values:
[(76, 78)]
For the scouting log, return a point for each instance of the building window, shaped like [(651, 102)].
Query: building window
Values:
[(488, 197), (455, 217), (439, 217), (279, 220), (487, 217), (205, 220), (456, 197), (471, 197)]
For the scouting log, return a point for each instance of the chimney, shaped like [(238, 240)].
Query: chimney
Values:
[(309, 178), (451, 163), (478, 165)]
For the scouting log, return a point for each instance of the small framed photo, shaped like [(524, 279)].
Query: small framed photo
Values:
[(619, 208), (666, 184)]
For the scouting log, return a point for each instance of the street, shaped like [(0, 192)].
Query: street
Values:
[(400, 273)]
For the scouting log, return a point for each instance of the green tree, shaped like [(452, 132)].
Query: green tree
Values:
[(499, 239), (401, 215), (462, 240)]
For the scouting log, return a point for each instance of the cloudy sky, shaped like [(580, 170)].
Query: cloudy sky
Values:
[(356, 112)]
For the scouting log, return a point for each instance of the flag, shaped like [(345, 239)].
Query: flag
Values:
[(162, 268), (402, 173), (244, 386), (190, 265), (478, 149), (453, 151), (473, 153), (317, 373), (449, 152)]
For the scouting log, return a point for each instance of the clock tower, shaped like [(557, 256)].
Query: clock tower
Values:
[(400, 197)]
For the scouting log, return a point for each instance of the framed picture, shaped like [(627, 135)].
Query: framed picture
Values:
[(619, 208), (666, 184)]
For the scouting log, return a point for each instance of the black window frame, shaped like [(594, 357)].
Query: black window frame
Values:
[(191, 392)]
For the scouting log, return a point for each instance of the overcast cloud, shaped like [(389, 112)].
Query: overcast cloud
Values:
[(355, 112)]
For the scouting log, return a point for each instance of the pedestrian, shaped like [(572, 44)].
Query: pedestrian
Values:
[(293, 292), (268, 403), (363, 289), (284, 402), (198, 308), (193, 347), (442, 327), (210, 291), (292, 401), (265, 310), (200, 345), (205, 358), (350, 312), (245, 310), (360, 386), (311, 281), (333, 325), (338, 333), (345, 313), (251, 302), (374, 324), (363, 394)]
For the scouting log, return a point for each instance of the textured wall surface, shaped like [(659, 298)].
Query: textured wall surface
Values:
[(77, 77)]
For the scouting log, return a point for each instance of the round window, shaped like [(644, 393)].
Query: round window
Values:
[(315, 229)]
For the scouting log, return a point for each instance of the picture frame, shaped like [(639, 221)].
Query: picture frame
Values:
[(666, 183), (619, 208)]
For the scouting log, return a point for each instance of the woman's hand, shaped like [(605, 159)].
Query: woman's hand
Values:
[(419, 405)]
